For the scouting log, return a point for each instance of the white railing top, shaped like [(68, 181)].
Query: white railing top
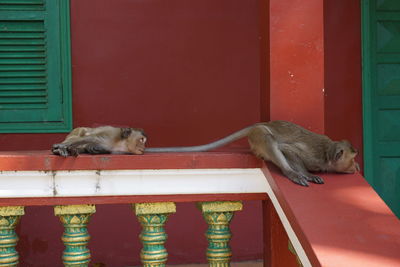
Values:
[(15, 184)]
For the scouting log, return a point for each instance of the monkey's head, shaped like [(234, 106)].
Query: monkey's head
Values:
[(135, 140), (342, 157)]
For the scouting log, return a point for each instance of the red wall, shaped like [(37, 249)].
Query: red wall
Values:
[(316, 66), (297, 63), (179, 67), (343, 84), (175, 68)]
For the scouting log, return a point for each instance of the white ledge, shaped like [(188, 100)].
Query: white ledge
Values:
[(130, 182)]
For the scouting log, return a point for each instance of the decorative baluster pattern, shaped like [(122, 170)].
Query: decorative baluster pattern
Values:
[(75, 219), (9, 218), (152, 217), (218, 216)]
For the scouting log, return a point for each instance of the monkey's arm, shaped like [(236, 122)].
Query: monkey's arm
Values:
[(265, 146), (221, 142), (93, 148), (82, 146), (297, 165)]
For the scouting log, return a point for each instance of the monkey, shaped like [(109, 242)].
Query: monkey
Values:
[(295, 150), (102, 140)]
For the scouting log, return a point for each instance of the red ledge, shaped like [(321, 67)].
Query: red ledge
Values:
[(341, 223), (45, 161), (51, 201)]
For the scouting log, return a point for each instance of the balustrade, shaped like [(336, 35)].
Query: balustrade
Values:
[(9, 218), (36, 179), (75, 219), (218, 216), (111, 180), (152, 217)]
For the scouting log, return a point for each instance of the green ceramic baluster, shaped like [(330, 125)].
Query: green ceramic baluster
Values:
[(76, 237), (218, 216), (152, 217), (9, 218)]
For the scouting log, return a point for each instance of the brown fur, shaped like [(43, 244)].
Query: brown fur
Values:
[(102, 140), (297, 151)]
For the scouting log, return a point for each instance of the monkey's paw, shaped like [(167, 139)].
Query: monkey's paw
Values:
[(299, 180), (60, 149), (315, 179)]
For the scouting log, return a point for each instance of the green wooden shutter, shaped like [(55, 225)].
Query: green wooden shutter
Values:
[(381, 82), (34, 66)]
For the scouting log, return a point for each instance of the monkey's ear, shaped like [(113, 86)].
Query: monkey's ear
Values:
[(335, 152), (125, 132), (140, 130), (350, 146), (338, 154)]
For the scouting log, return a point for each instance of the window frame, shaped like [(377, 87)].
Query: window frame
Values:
[(65, 124)]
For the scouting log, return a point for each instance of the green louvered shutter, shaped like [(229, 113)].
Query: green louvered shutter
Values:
[(381, 98), (34, 66)]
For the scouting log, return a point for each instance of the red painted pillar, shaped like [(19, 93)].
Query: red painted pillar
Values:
[(276, 251), (264, 59), (297, 62)]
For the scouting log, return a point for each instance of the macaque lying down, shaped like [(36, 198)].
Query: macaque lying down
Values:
[(295, 150), (102, 140)]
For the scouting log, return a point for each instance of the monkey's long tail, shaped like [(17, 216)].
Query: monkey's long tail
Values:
[(221, 142)]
